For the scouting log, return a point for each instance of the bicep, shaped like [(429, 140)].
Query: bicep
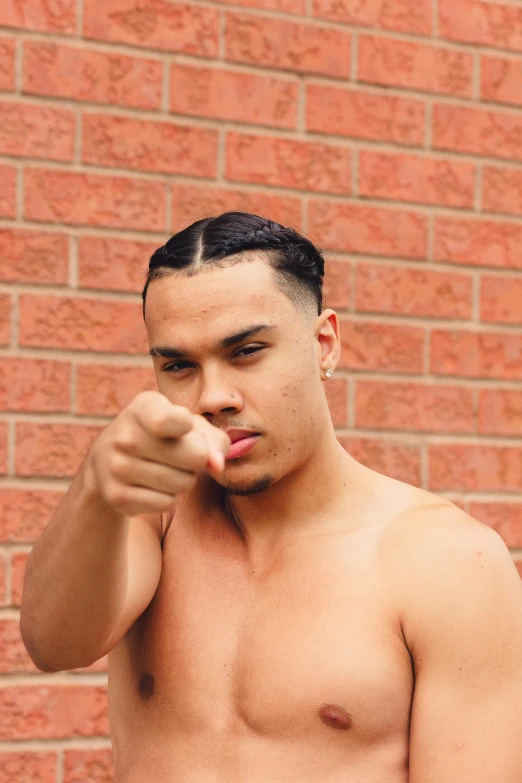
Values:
[(466, 721), (144, 562)]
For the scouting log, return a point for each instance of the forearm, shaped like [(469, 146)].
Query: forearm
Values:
[(75, 581)]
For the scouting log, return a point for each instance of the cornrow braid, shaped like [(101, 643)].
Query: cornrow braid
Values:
[(298, 264)]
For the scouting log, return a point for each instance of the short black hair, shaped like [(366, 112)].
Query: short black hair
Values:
[(298, 264)]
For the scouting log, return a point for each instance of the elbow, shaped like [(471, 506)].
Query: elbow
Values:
[(46, 656)]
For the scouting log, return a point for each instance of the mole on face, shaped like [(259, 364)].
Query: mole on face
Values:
[(335, 717), (146, 686)]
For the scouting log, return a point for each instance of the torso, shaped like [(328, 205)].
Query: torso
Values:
[(298, 674)]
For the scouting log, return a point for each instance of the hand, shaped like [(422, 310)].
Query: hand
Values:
[(151, 452)]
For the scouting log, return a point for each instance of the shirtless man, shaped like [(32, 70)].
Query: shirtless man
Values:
[(284, 615)]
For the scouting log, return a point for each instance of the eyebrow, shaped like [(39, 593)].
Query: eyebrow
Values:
[(169, 352)]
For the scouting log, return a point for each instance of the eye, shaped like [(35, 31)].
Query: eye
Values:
[(177, 367), (252, 349)]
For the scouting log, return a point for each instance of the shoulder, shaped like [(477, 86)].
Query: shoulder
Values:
[(450, 570)]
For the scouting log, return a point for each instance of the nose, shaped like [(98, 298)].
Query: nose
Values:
[(218, 396)]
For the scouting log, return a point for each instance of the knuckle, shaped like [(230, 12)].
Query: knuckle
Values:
[(125, 439), (119, 466), (143, 398), (117, 495), (158, 424)]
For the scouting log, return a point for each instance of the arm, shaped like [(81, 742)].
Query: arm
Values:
[(463, 626), (97, 564), (90, 575)]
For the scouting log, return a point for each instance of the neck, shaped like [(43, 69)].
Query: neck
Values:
[(308, 500)]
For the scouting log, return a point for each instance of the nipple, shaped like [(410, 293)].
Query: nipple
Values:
[(146, 686), (335, 717)]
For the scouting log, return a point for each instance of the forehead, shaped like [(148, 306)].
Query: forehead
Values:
[(215, 300)]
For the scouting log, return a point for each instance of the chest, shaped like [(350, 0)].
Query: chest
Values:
[(311, 648)]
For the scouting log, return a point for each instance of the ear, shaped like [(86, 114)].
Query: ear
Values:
[(328, 338)]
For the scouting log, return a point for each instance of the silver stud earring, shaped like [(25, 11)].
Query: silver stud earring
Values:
[(329, 373)]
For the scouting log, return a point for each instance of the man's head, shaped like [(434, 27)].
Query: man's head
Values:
[(221, 277)]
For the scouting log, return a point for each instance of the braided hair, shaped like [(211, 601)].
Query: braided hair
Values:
[(222, 240)]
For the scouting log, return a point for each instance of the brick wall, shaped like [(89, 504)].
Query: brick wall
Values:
[(389, 131)]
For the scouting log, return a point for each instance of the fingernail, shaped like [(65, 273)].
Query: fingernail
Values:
[(219, 458)]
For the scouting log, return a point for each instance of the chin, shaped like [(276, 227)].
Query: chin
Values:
[(248, 487)]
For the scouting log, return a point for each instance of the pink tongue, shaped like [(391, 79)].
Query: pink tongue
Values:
[(237, 445)]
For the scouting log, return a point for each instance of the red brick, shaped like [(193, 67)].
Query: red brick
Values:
[(28, 766), (5, 319), (69, 72), (25, 512), (476, 354), (156, 24), (80, 324), (478, 242), (13, 655), (336, 390), (149, 145), (298, 7), (7, 191), (97, 666), (354, 228), (104, 390), (38, 385), (52, 711), (293, 164), (3, 447), (94, 200), (54, 450), (518, 564), (481, 22), (501, 78), (40, 15), (414, 66), (344, 111), (370, 345), (502, 190), (500, 299), (277, 43), (33, 256), (406, 16), (477, 131), (475, 468), (7, 63), (413, 406), (114, 264), (397, 459), (192, 202), (419, 292), (337, 289), (91, 766), (18, 566), (233, 96), (37, 131), (505, 518), (500, 412), (401, 177), (4, 599)]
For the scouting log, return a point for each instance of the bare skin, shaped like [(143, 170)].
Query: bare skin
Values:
[(287, 615), (295, 671)]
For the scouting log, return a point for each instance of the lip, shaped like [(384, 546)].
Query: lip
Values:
[(241, 446)]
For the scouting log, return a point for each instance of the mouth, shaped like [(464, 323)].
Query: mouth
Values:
[(241, 446)]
